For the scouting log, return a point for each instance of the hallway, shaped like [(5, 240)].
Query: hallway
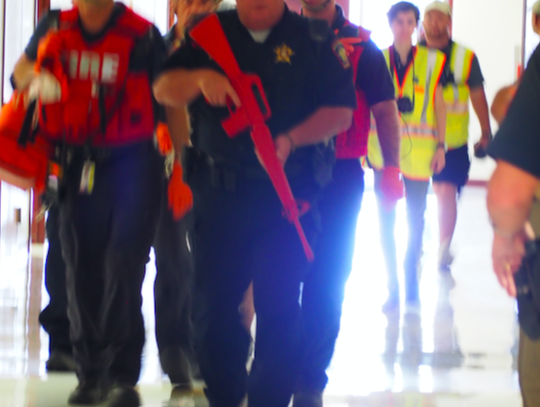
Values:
[(458, 349)]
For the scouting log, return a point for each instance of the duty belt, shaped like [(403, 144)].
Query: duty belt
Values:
[(228, 174)]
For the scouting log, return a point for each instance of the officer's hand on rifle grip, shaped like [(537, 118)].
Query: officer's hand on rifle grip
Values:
[(284, 148), (216, 88)]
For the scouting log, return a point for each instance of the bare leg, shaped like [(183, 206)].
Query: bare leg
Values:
[(447, 199)]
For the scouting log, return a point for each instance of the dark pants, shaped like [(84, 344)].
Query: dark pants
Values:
[(529, 368), (106, 238), (172, 289), (324, 286), (241, 237), (54, 317), (173, 285), (416, 198)]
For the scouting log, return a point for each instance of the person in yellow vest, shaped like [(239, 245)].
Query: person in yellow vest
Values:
[(416, 71), (462, 80)]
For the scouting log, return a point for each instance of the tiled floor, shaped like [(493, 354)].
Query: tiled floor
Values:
[(457, 350)]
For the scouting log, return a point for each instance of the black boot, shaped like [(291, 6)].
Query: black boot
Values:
[(88, 392), (123, 395), (60, 362), (175, 364)]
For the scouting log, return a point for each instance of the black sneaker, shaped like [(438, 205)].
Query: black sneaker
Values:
[(175, 364), (123, 395), (60, 362), (87, 393), (308, 398)]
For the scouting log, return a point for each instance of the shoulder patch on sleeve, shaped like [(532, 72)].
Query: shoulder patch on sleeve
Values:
[(341, 54)]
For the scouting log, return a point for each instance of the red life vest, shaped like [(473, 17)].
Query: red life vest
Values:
[(108, 103), (352, 143)]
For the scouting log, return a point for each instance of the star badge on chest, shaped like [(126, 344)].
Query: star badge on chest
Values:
[(283, 54)]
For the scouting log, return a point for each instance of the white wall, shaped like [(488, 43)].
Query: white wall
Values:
[(493, 29)]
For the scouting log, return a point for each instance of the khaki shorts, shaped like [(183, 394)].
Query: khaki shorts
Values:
[(529, 370)]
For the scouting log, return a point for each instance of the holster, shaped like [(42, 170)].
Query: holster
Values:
[(527, 281)]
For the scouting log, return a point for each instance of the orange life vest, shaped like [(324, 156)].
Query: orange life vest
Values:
[(109, 103)]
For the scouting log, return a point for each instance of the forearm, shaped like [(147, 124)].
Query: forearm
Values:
[(440, 115), (23, 72), (510, 197), (502, 101), (388, 130), (481, 108), (178, 88), (324, 124), (179, 128)]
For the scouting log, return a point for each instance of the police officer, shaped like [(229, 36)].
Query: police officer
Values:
[(416, 72), (111, 197), (240, 233), (174, 263), (324, 287), (513, 196), (462, 80)]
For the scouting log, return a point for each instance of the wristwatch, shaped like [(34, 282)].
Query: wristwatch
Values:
[(443, 146)]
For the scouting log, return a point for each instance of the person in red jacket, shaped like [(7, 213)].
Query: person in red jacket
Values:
[(110, 198), (324, 287)]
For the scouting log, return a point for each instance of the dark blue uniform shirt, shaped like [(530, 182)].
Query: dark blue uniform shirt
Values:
[(299, 76), (518, 140), (372, 76)]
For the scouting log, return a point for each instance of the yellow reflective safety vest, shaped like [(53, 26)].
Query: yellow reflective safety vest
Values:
[(418, 128), (456, 97)]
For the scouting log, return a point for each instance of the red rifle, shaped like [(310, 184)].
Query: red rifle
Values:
[(252, 115)]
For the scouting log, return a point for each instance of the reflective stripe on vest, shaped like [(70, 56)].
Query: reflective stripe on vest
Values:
[(456, 96), (419, 128)]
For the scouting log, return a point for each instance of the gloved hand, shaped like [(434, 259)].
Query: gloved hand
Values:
[(50, 47), (46, 88), (164, 139), (180, 196), (391, 187), (50, 84)]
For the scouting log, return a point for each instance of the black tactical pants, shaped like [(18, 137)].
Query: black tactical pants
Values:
[(106, 238), (174, 280), (54, 317), (240, 237), (324, 287), (172, 289)]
